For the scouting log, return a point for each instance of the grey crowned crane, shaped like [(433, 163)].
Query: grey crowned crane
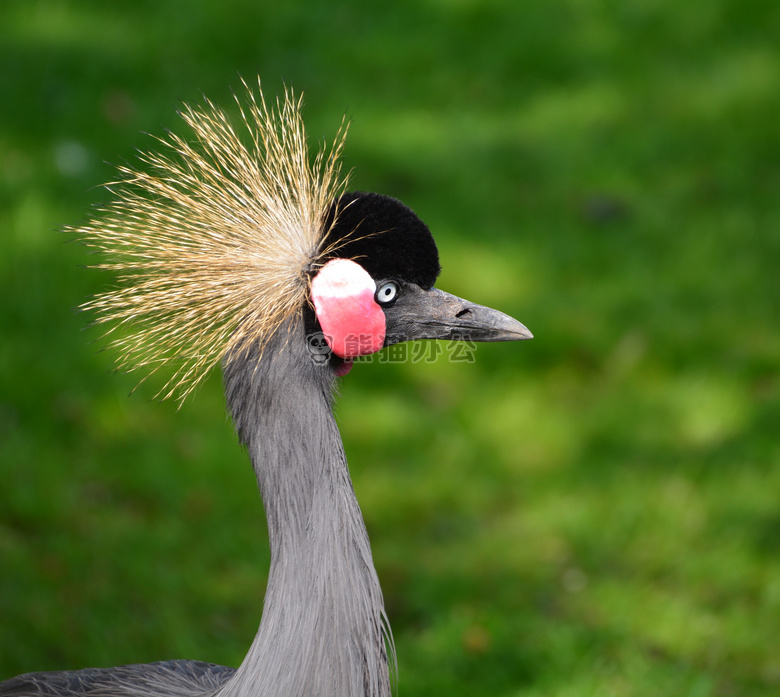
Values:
[(254, 256)]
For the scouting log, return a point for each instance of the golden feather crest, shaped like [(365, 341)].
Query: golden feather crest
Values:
[(212, 241)]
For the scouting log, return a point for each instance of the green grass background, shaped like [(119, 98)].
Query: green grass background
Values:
[(595, 512)]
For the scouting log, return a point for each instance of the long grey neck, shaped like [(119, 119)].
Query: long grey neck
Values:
[(323, 631)]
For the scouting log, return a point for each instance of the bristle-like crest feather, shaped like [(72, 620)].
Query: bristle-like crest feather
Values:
[(212, 241)]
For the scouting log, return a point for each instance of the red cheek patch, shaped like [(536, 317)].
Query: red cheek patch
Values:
[(351, 320)]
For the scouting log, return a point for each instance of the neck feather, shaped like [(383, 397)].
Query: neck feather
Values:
[(323, 632)]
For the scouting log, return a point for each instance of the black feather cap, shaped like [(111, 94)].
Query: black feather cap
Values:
[(384, 236)]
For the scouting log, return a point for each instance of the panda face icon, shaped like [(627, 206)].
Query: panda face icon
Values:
[(318, 347)]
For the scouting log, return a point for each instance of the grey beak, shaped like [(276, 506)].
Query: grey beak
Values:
[(434, 314)]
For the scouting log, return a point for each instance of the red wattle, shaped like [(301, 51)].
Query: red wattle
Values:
[(344, 368), (351, 320)]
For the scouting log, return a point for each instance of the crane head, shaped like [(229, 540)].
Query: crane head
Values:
[(220, 240)]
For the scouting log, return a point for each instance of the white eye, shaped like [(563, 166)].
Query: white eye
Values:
[(386, 293)]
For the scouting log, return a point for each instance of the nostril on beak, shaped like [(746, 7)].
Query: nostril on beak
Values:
[(465, 312)]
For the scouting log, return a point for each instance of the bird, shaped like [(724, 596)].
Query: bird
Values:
[(236, 247)]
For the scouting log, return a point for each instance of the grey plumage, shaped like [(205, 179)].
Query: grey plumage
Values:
[(323, 629), (172, 678)]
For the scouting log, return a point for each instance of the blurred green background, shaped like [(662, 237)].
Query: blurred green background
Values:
[(595, 512)]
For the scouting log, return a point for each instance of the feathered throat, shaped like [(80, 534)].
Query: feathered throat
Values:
[(213, 240)]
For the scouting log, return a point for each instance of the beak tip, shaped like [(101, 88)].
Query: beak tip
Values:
[(508, 329)]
